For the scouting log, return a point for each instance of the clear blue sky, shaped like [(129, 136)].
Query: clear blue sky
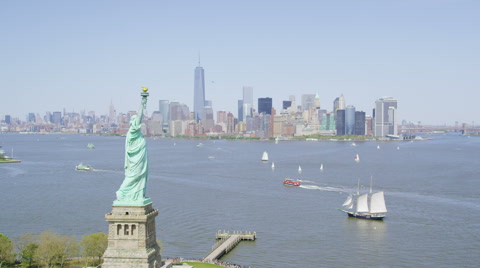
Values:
[(84, 54)]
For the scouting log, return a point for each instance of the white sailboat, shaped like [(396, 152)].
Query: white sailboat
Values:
[(365, 206), (378, 146), (357, 158), (265, 156), (299, 169), (273, 165), (321, 167)]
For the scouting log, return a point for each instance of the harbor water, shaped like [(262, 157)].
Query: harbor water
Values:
[(432, 193)]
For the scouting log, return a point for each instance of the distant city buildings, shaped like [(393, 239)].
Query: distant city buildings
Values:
[(175, 119)]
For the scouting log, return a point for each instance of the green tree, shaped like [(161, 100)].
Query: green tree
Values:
[(55, 249), (93, 246), (6, 247), (27, 245)]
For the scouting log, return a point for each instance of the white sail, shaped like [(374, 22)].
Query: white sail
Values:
[(357, 158), (265, 156), (348, 202), (299, 169), (362, 203), (377, 203), (321, 166), (273, 165)]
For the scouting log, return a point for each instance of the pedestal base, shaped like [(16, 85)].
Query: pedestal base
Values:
[(132, 238)]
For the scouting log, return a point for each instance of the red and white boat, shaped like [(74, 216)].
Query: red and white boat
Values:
[(289, 182)]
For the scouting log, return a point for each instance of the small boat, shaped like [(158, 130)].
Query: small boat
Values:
[(378, 146), (83, 167), (357, 158), (90, 146), (200, 144), (370, 206), (289, 182), (321, 167), (354, 144), (273, 165), (276, 140), (265, 156), (299, 170)]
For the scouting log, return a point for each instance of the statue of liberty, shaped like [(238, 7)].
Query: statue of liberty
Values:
[(132, 190)]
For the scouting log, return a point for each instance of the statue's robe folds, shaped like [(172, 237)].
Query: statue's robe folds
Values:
[(136, 165)]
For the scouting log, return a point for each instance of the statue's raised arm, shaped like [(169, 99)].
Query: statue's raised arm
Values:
[(132, 191)]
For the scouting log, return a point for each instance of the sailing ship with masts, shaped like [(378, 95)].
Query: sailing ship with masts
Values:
[(369, 206)]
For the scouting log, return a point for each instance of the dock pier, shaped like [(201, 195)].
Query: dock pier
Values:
[(227, 241)]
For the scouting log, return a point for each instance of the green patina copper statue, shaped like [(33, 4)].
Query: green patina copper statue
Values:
[(132, 191)]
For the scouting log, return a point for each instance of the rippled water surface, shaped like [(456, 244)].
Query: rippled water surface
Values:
[(432, 190)]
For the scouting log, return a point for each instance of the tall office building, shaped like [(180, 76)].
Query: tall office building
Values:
[(286, 104), (308, 101), (385, 120), (350, 120), (340, 122), (221, 117), (247, 101), (163, 108), (112, 114), (265, 105), (31, 117), (338, 104), (240, 111), (8, 119), (360, 123), (199, 93), (56, 118)]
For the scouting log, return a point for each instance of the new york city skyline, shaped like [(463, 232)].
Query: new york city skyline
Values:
[(82, 56)]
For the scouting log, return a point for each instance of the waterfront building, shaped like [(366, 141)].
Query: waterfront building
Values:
[(350, 120), (198, 93), (230, 124), (385, 117), (207, 121), (265, 105), (340, 122), (8, 119), (360, 123)]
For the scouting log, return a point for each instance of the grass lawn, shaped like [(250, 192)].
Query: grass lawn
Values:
[(201, 265)]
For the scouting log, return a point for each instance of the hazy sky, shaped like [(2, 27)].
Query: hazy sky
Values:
[(82, 55)]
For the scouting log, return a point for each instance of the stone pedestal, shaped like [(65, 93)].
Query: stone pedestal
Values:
[(132, 238)]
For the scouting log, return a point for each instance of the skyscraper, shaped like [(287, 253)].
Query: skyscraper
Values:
[(350, 120), (163, 108), (308, 100), (338, 104), (385, 121), (265, 105), (247, 101), (240, 111), (199, 92), (360, 123), (340, 122)]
